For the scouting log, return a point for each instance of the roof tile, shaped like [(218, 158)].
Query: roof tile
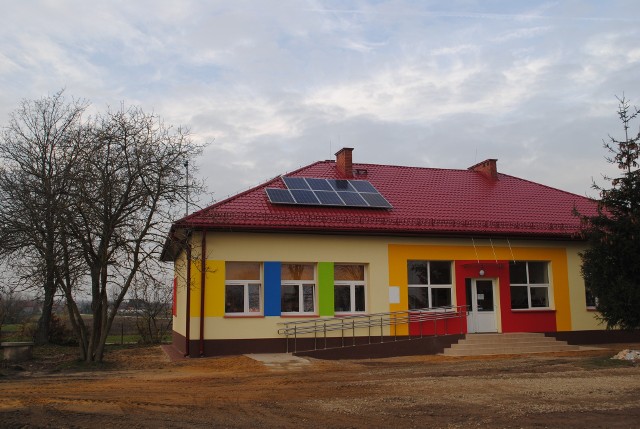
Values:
[(424, 200)]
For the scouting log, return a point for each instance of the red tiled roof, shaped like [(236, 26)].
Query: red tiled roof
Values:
[(425, 201)]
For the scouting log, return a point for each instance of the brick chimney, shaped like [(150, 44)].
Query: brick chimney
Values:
[(344, 163), (487, 168)]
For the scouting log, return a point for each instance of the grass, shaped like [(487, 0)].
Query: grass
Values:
[(11, 328)]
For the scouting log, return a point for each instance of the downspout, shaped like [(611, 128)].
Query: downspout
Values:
[(188, 251), (203, 268)]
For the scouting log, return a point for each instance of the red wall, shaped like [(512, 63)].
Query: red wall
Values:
[(441, 327), (512, 321)]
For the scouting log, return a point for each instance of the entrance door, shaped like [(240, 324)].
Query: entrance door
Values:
[(481, 309)]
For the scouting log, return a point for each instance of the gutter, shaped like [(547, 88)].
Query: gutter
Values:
[(188, 321), (203, 268)]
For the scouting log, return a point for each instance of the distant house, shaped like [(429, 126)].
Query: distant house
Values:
[(336, 240)]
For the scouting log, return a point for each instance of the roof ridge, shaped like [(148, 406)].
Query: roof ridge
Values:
[(410, 166), (550, 187)]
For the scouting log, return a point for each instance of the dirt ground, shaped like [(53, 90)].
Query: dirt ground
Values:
[(141, 388)]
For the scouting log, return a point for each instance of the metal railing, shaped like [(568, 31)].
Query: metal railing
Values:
[(372, 326)]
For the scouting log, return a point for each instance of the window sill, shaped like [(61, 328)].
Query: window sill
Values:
[(533, 310), (592, 309), (243, 316), (357, 313), (294, 316)]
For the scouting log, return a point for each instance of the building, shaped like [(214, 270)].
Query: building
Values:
[(338, 239)]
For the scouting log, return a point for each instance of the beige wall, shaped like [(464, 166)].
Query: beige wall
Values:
[(373, 251), (581, 318), (180, 274)]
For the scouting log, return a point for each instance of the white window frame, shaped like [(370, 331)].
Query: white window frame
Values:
[(352, 295), (429, 286), (352, 291), (245, 285), (530, 285), (595, 299), (300, 285)]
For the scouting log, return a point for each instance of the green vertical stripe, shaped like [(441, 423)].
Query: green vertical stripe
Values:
[(325, 288)]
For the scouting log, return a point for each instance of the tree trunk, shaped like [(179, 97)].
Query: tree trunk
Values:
[(50, 286), (44, 323)]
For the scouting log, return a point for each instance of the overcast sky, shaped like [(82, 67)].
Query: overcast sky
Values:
[(274, 85)]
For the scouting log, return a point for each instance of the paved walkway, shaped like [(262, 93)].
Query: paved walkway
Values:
[(280, 361)]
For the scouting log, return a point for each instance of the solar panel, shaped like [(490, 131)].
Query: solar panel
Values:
[(363, 186), (295, 182), (352, 199), (327, 192), (304, 196), (319, 184), (375, 200), (341, 185), (329, 198), (280, 196)]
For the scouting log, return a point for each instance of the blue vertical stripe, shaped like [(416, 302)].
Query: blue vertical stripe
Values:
[(272, 289)]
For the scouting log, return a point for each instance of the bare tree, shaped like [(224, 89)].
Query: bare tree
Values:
[(12, 302), (152, 303), (89, 201), (128, 191), (38, 154)]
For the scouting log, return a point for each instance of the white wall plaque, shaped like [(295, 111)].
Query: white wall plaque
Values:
[(394, 294)]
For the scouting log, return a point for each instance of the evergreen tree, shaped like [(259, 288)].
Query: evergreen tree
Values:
[(611, 264)]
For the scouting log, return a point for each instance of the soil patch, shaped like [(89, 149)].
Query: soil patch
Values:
[(139, 387)]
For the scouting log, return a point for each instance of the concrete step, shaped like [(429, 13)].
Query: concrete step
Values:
[(507, 338), (518, 343)]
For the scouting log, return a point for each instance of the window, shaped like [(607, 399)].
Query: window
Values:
[(242, 290), (298, 291), (529, 284), (590, 299), (429, 284), (349, 288)]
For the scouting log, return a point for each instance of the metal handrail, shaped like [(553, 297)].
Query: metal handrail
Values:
[(379, 321)]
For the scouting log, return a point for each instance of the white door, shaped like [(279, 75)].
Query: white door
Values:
[(481, 308)]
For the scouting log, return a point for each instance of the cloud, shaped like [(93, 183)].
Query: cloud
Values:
[(279, 84)]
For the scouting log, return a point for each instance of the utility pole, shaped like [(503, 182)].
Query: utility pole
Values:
[(186, 165)]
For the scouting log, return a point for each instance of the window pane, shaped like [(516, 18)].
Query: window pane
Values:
[(440, 272), (242, 270), (349, 272), (484, 295), (440, 297), (519, 297), (234, 299), (418, 272), (590, 298), (418, 297), (518, 273), (254, 298), (290, 299), (297, 272), (538, 273), (539, 297), (359, 297), (342, 298), (307, 296)]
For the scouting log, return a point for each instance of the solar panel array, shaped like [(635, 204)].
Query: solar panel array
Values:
[(327, 192)]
